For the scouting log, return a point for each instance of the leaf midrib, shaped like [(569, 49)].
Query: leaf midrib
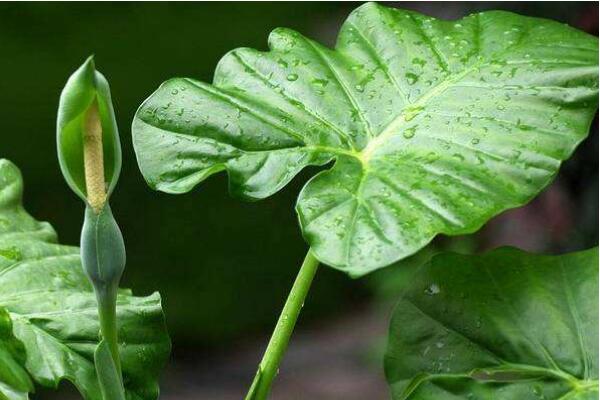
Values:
[(576, 385), (416, 107), (556, 372)]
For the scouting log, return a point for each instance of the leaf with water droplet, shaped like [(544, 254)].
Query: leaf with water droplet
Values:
[(447, 86), (511, 325), (52, 312)]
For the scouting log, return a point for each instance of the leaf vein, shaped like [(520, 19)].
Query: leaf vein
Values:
[(342, 85)]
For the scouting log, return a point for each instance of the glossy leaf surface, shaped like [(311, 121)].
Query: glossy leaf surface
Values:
[(504, 325), (53, 308), (434, 126)]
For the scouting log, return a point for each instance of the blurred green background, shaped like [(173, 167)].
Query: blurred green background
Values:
[(222, 266)]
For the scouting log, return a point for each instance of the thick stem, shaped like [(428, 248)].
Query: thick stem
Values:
[(107, 313), (269, 365)]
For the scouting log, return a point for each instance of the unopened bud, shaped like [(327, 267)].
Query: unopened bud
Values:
[(89, 150)]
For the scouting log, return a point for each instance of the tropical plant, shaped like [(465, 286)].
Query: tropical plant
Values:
[(48, 319), (432, 127), (427, 126), (55, 299), (89, 152)]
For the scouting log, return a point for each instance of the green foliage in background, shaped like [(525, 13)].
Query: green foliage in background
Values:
[(503, 325), (435, 126), (51, 306)]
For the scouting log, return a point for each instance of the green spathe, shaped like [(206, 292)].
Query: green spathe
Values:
[(85, 85), (504, 325), (433, 126)]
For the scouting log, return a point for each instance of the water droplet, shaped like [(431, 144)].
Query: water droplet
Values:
[(412, 78), (320, 82), (409, 133), (419, 61), (431, 157), (432, 290), (292, 77)]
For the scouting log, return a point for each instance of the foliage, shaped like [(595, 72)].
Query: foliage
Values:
[(434, 126), (48, 300), (503, 325)]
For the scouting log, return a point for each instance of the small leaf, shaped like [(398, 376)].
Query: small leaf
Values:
[(434, 126), (85, 89), (53, 307), (505, 325)]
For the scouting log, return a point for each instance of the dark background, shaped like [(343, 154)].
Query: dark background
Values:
[(223, 266)]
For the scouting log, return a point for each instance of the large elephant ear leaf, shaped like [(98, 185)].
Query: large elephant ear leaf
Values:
[(504, 325), (52, 309), (435, 126)]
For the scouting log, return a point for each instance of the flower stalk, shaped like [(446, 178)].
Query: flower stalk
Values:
[(90, 158)]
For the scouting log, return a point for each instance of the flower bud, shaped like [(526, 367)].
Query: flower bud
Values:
[(102, 249), (89, 150)]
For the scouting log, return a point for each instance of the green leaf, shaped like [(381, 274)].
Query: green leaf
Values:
[(504, 325), (53, 308), (434, 126), (15, 383), (83, 87)]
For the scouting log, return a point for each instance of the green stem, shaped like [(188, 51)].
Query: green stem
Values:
[(269, 365), (107, 313)]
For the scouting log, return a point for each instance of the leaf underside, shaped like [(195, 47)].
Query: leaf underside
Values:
[(434, 126), (504, 325), (53, 313)]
